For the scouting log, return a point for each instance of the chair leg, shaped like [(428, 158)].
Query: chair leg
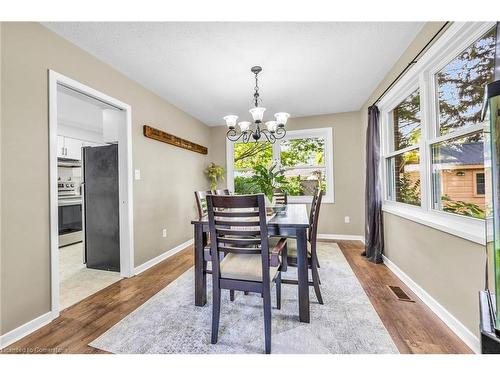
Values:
[(267, 319), (278, 291), (231, 295), (316, 282), (284, 258), (317, 260), (215, 314), (246, 293)]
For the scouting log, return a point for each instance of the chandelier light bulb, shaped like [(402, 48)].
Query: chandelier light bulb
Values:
[(231, 121), (281, 117), (257, 113), (271, 126), (244, 125)]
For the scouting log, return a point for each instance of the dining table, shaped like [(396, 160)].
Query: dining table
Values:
[(293, 221)]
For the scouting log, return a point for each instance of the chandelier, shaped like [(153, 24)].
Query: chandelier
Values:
[(275, 128)]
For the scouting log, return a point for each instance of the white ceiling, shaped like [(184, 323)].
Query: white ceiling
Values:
[(204, 68)]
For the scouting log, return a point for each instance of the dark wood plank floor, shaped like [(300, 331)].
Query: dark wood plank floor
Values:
[(412, 326)]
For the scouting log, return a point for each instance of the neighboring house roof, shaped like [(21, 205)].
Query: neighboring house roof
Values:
[(464, 154)]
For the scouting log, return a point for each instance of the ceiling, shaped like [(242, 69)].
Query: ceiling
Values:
[(203, 68)]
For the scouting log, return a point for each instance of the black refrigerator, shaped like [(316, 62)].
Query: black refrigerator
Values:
[(101, 210)]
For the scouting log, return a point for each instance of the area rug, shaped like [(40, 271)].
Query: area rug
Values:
[(169, 322)]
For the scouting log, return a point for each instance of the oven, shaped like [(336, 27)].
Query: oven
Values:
[(70, 215)]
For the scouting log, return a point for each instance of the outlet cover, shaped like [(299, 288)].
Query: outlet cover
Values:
[(164, 233), (347, 219), (137, 174)]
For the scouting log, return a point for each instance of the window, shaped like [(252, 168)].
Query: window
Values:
[(456, 165), (403, 165), (460, 84), (432, 129), (303, 156)]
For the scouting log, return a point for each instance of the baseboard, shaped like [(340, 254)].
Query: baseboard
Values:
[(167, 254), (27, 328), (453, 323), (349, 237)]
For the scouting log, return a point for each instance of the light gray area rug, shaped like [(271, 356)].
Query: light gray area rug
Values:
[(169, 322)]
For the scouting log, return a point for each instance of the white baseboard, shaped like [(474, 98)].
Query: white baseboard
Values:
[(27, 328), (167, 254), (349, 237), (471, 340)]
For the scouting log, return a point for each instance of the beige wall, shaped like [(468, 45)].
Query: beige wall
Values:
[(347, 169), (449, 268), (162, 199)]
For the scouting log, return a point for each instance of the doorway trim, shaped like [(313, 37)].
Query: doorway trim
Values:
[(124, 173)]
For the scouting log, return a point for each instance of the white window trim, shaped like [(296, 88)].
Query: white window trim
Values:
[(458, 37), (326, 133)]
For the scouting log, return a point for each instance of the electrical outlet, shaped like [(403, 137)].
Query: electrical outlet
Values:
[(347, 219), (137, 174), (164, 233)]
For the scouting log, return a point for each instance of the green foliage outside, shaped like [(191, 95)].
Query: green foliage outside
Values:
[(409, 192), (261, 175), (462, 208)]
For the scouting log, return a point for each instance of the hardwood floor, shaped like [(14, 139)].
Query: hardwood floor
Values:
[(412, 326)]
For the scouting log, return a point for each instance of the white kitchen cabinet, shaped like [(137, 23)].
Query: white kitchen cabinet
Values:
[(73, 148), (69, 148), (60, 147)]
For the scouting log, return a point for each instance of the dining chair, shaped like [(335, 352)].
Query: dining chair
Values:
[(201, 202), (222, 192), (290, 251), (280, 197), (238, 228)]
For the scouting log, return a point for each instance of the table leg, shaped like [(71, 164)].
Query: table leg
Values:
[(303, 277), (200, 276)]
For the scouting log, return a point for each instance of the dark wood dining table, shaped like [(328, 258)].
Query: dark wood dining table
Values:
[(293, 222)]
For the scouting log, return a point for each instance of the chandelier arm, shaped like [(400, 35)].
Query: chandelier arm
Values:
[(280, 132), (269, 136), (233, 136)]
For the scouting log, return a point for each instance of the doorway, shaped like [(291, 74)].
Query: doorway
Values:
[(91, 228)]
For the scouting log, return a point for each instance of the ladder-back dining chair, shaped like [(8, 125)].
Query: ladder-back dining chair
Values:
[(312, 255), (201, 202), (280, 197), (238, 228)]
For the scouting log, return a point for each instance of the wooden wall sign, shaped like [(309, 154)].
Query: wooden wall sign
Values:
[(162, 136)]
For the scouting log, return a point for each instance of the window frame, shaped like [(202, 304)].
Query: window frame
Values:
[(326, 133), (421, 76)]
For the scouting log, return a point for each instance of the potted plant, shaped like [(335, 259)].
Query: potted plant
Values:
[(268, 179), (215, 173)]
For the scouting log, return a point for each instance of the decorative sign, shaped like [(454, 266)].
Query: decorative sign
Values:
[(162, 136)]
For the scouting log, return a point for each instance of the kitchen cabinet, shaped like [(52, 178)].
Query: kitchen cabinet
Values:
[(69, 148)]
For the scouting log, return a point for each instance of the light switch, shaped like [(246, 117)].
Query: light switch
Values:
[(347, 219), (137, 174)]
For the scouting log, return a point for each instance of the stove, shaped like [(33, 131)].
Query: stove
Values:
[(70, 212)]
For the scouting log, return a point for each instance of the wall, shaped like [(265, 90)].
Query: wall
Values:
[(161, 197), (347, 169), (449, 268)]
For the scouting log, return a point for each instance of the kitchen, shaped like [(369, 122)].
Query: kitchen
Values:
[(88, 199)]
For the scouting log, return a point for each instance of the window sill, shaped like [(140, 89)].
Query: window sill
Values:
[(464, 227)]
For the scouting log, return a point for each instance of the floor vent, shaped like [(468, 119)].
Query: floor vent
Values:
[(400, 293)]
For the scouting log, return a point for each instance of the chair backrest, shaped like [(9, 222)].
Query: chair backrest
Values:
[(222, 192), (201, 202), (314, 215), (280, 197), (238, 225)]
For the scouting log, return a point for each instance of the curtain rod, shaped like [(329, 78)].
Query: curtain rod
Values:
[(412, 62)]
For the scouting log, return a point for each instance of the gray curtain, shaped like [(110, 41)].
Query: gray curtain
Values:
[(374, 229)]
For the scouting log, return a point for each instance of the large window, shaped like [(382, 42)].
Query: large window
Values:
[(303, 159), (433, 131)]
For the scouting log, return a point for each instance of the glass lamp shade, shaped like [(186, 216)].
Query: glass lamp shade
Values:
[(271, 126), (257, 113), (244, 125), (281, 117), (231, 120)]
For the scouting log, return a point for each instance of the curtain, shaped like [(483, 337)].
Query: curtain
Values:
[(374, 229)]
